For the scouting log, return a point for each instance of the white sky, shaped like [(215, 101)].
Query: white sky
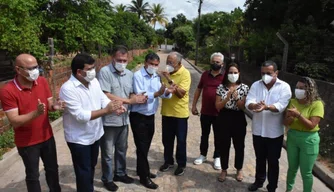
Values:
[(190, 10)]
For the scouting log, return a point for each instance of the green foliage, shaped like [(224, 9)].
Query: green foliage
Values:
[(139, 7), (314, 70), (158, 15), (179, 20), (183, 36), (20, 26), (6, 141), (54, 115)]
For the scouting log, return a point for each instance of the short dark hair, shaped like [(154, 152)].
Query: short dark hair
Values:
[(79, 61), (152, 56), (119, 48), (269, 63), (225, 80)]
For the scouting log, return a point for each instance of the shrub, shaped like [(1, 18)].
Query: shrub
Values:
[(314, 70), (6, 141), (53, 115)]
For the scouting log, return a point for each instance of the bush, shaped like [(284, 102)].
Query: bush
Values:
[(6, 141), (138, 59), (314, 70), (54, 115)]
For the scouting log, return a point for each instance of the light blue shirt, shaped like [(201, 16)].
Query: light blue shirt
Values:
[(143, 82)]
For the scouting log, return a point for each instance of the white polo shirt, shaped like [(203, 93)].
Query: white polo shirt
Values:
[(266, 123), (80, 102)]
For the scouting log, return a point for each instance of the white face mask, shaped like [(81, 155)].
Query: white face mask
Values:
[(90, 75), (33, 75), (150, 69), (233, 77), (120, 66), (300, 93), (267, 78), (170, 68)]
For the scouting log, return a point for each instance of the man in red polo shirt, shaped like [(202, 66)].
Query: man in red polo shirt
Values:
[(209, 82), (26, 101)]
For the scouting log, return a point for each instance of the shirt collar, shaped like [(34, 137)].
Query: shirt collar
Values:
[(113, 70), (19, 86), (221, 73), (75, 81), (179, 72), (144, 73)]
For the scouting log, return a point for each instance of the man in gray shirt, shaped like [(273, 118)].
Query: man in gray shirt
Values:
[(116, 83)]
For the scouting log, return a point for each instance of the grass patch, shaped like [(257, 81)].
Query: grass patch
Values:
[(6, 142)]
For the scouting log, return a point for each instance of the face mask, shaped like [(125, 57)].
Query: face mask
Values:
[(33, 75), (170, 68), (215, 67), (90, 75), (233, 77), (300, 93), (150, 69), (267, 78), (120, 66)]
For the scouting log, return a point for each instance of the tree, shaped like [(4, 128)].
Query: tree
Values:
[(158, 15), (184, 35), (120, 8), (138, 6), (179, 20)]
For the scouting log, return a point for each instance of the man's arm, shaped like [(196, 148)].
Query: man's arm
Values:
[(17, 120), (285, 96), (195, 100)]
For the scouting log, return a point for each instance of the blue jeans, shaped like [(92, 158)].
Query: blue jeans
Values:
[(114, 138), (30, 156), (84, 158), (175, 127)]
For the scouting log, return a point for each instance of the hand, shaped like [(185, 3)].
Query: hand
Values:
[(165, 74), (138, 99), (120, 110), (235, 94), (259, 107), (230, 92), (59, 105), (293, 111), (114, 105), (194, 111), (40, 108)]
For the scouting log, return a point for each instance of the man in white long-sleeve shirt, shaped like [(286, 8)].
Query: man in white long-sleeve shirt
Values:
[(82, 122), (267, 99)]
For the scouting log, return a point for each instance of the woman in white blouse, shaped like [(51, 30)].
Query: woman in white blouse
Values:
[(230, 102)]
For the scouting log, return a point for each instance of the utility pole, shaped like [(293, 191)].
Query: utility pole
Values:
[(198, 24)]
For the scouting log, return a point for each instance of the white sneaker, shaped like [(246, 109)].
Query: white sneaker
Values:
[(216, 163), (200, 160)]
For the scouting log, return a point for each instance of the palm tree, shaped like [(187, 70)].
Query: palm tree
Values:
[(158, 15), (139, 7), (120, 8)]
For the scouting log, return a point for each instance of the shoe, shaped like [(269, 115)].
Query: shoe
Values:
[(222, 176), (239, 177), (165, 167), (110, 186), (148, 183), (152, 175), (200, 160), (216, 164), (124, 179), (179, 171), (254, 186)]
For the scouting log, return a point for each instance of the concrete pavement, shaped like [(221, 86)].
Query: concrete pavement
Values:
[(196, 178)]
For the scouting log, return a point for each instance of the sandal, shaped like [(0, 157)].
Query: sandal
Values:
[(239, 177), (222, 176)]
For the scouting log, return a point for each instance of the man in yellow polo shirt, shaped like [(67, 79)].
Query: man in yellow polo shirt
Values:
[(175, 113)]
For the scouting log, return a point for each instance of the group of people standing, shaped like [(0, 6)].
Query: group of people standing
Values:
[(224, 101), (99, 107)]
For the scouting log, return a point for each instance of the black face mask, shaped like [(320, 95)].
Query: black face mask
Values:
[(216, 67)]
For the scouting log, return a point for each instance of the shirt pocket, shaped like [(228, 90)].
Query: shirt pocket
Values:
[(115, 88), (127, 88)]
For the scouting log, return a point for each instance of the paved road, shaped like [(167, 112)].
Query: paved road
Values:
[(196, 178)]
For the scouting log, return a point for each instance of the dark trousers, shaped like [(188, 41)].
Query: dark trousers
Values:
[(84, 158), (267, 150), (175, 127), (143, 130), (206, 122), (30, 156)]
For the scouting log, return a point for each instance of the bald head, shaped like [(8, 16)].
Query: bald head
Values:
[(25, 60), (177, 56)]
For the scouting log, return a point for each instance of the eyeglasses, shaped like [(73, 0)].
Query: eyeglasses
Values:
[(29, 68), (169, 63)]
